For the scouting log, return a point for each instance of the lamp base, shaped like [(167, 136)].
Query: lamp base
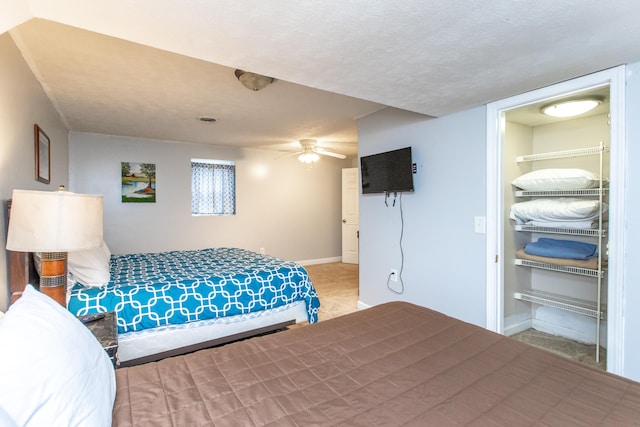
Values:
[(53, 276)]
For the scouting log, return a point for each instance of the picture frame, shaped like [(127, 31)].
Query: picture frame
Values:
[(138, 182), (43, 155)]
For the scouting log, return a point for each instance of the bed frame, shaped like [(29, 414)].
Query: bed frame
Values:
[(135, 350), (169, 340)]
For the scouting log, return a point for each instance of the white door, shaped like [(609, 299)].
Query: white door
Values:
[(350, 215)]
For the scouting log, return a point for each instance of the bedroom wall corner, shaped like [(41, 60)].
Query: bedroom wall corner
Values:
[(24, 103), (444, 259)]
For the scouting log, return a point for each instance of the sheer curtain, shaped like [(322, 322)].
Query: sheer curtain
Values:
[(213, 188)]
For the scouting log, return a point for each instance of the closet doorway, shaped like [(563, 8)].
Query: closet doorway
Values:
[(520, 140)]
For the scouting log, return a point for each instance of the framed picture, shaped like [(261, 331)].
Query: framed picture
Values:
[(43, 155), (138, 182)]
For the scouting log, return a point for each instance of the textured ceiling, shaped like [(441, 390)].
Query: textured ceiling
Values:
[(148, 68)]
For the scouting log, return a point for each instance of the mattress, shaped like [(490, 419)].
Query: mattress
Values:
[(156, 342), (152, 290), (393, 364)]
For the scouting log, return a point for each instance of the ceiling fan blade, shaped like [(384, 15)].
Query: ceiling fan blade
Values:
[(297, 153), (330, 153)]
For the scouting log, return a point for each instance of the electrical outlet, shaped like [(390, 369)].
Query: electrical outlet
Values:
[(393, 275), (262, 251)]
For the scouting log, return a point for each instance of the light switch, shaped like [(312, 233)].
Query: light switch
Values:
[(480, 224)]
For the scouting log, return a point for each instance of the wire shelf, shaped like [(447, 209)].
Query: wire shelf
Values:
[(560, 268), (562, 302), (591, 151), (590, 232), (586, 192)]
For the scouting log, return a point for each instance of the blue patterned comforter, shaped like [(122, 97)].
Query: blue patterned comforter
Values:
[(158, 289)]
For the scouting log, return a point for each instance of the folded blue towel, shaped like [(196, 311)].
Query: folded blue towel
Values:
[(555, 248)]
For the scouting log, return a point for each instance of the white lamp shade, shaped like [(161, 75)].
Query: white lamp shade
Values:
[(54, 221)]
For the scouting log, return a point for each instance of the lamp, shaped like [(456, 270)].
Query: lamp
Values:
[(253, 81), (572, 107), (54, 223)]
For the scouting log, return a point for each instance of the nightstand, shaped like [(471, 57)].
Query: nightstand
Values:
[(107, 334)]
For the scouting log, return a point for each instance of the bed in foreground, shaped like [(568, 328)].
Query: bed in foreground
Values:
[(394, 364)]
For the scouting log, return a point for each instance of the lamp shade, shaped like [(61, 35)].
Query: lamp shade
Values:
[(54, 221)]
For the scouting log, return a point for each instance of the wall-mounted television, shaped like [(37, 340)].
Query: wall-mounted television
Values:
[(389, 172)]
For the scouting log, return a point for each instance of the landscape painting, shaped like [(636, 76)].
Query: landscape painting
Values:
[(138, 182)]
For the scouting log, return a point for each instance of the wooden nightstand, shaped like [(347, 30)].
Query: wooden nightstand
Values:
[(107, 334)]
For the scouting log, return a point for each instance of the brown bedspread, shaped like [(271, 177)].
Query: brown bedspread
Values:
[(391, 365)]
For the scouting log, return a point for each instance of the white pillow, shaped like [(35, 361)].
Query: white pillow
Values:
[(556, 209), (90, 267), (53, 371), (5, 419), (557, 179)]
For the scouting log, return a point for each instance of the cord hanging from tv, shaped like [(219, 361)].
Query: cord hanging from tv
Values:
[(388, 172)]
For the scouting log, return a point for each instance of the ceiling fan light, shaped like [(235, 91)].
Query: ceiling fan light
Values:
[(253, 81), (571, 108), (308, 157)]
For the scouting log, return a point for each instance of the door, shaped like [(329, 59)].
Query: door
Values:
[(350, 215)]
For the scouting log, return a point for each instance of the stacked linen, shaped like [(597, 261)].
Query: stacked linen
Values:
[(561, 252), (557, 179), (562, 212), (556, 248)]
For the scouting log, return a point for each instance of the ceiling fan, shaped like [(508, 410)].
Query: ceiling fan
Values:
[(310, 151)]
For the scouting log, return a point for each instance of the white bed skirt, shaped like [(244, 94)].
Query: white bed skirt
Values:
[(135, 345)]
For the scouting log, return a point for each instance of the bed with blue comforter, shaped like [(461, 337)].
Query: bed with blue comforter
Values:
[(151, 290)]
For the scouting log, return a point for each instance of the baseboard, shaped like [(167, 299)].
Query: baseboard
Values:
[(320, 261), (362, 306), (516, 324)]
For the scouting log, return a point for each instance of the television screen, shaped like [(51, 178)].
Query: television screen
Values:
[(387, 172)]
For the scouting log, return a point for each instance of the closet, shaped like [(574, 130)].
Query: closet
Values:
[(555, 223)]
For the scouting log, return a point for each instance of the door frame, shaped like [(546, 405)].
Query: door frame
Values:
[(615, 79)]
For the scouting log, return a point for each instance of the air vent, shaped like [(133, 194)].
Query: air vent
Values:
[(207, 119)]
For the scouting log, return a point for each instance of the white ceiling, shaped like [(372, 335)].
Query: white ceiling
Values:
[(149, 68)]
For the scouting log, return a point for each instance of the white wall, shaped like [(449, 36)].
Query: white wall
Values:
[(518, 141), (444, 265), (291, 211), (22, 104)]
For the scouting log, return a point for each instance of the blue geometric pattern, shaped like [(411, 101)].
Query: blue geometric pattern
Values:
[(157, 289)]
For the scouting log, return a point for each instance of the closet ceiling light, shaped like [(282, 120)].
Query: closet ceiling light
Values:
[(571, 108)]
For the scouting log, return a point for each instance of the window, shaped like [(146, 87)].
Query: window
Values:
[(213, 187)]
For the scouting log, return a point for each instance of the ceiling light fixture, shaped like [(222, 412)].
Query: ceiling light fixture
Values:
[(571, 108), (253, 81), (308, 156)]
